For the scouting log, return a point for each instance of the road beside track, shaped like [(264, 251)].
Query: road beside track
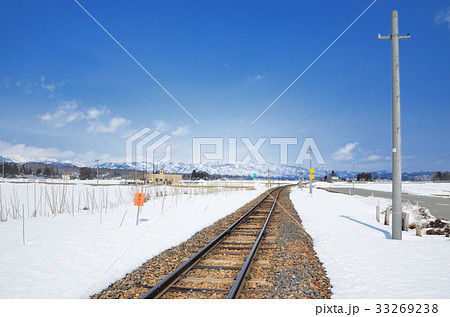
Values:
[(439, 207)]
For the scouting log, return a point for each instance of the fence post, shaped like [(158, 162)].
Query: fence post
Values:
[(387, 214), (378, 213), (405, 221)]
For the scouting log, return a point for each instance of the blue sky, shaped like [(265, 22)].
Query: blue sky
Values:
[(69, 92)]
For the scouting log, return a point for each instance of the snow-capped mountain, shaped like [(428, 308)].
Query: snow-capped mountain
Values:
[(221, 168), (212, 168)]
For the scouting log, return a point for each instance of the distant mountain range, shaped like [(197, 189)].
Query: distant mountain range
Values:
[(219, 168)]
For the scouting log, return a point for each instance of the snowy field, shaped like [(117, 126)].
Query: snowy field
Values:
[(48, 197), (82, 238), (359, 256), (413, 188)]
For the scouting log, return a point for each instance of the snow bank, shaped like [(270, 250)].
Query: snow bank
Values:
[(359, 255)]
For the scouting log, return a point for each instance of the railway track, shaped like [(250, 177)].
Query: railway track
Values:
[(221, 268)]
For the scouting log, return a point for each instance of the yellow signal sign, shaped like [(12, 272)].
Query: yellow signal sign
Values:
[(312, 170), (311, 176)]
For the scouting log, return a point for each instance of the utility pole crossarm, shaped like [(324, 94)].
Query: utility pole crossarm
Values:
[(384, 37), (389, 37)]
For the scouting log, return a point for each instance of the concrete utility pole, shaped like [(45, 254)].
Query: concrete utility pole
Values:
[(3, 172), (310, 165), (135, 174), (146, 167), (353, 175), (396, 131), (299, 175), (97, 171)]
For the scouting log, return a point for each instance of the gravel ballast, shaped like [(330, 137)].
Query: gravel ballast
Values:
[(286, 265)]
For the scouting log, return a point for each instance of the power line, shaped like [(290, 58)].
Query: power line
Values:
[(371, 87), (426, 16), (356, 79), (317, 58), (348, 91), (362, 100), (136, 61), (430, 161)]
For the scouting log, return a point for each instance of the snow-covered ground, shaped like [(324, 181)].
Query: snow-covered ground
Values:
[(49, 197), (359, 256), (413, 188), (75, 254)]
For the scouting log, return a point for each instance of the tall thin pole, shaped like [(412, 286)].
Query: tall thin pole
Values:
[(144, 171), (97, 171), (396, 129), (353, 175), (3, 172), (310, 165), (299, 175)]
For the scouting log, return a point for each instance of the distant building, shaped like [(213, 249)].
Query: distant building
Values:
[(162, 178), (65, 177), (334, 178)]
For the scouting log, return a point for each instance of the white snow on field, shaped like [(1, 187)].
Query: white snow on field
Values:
[(413, 188), (76, 254), (359, 256)]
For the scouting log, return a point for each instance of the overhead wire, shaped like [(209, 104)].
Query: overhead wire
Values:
[(355, 80), (317, 58), (380, 74), (137, 63)]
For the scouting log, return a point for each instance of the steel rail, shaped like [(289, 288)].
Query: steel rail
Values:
[(173, 277), (239, 283)]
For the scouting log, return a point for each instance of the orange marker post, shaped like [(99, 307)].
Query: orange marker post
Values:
[(139, 199)]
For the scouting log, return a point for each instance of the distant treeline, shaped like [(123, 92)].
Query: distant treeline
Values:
[(441, 176), (199, 175), (13, 170), (364, 177)]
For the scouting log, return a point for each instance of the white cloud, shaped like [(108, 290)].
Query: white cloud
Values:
[(255, 78), (443, 17), (88, 158), (180, 131), (70, 111), (94, 113), (50, 87), (22, 152), (7, 82), (113, 126), (26, 85), (161, 125), (373, 158), (64, 114), (345, 153)]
